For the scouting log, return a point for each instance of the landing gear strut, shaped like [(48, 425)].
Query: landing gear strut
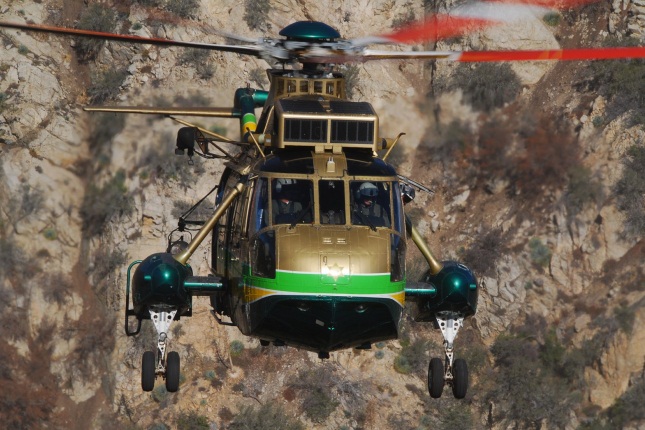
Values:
[(162, 364), (455, 373)]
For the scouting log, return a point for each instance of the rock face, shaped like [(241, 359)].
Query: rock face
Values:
[(64, 286)]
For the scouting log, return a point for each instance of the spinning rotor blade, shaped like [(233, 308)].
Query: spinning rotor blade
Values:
[(197, 111), (491, 56), (467, 18), (239, 49)]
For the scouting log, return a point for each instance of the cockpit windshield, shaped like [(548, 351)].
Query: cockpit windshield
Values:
[(291, 201), (371, 203)]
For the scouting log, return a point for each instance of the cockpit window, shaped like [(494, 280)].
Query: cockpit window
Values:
[(370, 203), (291, 201), (332, 202)]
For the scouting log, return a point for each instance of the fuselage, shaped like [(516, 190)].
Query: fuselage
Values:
[(323, 278), (313, 251)]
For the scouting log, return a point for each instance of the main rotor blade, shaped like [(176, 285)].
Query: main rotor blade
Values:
[(491, 56), (552, 54), (195, 111), (467, 18), (239, 49)]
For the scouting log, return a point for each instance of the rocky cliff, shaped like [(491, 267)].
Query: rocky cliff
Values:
[(531, 191)]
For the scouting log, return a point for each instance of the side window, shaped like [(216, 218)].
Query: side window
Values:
[(260, 206), (371, 203), (397, 208), (332, 202), (291, 201)]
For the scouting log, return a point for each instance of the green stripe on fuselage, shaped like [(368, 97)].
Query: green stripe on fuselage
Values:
[(315, 283)]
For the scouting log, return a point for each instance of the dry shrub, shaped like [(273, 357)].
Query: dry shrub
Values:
[(549, 152)]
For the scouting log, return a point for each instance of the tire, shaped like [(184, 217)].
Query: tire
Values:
[(172, 372), (435, 378), (148, 365), (460, 378)]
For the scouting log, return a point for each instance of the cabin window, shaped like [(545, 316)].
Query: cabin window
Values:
[(263, 244), (318, 87), (370, 203), (397, 209), (291, 86), (330, 87), (397, 258), (260, 207), (332, 202), (291, 201), (304, 87)]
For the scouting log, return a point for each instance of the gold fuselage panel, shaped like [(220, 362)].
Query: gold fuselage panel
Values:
[(321, 249)]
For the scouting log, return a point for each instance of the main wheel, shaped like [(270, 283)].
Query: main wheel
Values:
[(172, 372), (435, 378), (460, 378), (148, 366)]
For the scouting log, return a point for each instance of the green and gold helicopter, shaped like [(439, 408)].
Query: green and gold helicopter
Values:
[(309, 234)]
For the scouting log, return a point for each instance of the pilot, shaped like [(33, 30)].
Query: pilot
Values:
[(366, 209), (285, 208)]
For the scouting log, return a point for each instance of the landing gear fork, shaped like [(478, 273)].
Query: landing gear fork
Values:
[(455, 372), (161, 364)]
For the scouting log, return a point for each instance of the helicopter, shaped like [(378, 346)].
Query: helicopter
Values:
[(309, 233)]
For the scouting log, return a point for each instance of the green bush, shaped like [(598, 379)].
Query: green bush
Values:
[(316, 388), (413, 358), (582, 190), (540, 253), (256, 14), (100, 204), (403, 19), (525, 390), (630, 191), (482, 255), (159, 394), (621, 82), (183, 8), (237, 348), (103, 127), (200, 60), (552, 19), (192, 421), (625, 317), (485, 86), (3, 100), (268, 416), (96, 17), (106, 84)]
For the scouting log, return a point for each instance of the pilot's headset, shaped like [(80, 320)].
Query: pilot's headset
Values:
[(367, 190), (282, 182)]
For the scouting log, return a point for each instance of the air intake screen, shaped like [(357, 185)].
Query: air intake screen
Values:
[(305, 130), (352, 131)]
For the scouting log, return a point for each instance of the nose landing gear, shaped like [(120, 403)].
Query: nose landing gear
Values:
[(161, 364), (455, 373)]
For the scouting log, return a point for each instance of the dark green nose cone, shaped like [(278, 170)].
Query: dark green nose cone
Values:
[(310, 31)]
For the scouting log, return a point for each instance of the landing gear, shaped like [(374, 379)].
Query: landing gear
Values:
[(148, 371), (456, 371), (436, 379), (165, 365)]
